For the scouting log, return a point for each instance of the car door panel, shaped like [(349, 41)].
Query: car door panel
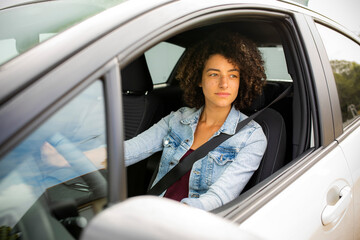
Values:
[(314, 192), (344, 96), (350, 147)]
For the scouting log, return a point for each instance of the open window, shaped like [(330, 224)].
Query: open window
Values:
[(278, 45)]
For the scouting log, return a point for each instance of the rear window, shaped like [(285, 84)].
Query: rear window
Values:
[(162, 59), (275, 63)]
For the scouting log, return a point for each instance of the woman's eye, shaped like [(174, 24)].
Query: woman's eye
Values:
[(213, 74), (233, 76)]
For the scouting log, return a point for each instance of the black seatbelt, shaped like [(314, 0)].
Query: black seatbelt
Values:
[(186, 164)]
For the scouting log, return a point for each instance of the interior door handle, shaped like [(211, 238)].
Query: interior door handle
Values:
[(333, 212)]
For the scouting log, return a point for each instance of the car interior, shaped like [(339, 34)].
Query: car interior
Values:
[(287, 123)]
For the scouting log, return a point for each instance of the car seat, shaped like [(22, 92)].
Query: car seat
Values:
[(273, 125), (141, 109)]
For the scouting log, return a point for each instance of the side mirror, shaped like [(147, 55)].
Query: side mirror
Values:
[(149, 217)]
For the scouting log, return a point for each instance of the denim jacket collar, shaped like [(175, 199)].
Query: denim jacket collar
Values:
[(229, 126)]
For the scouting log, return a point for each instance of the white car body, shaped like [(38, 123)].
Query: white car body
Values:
[(315, 194)]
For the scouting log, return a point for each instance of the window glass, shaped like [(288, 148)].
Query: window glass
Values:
[(275, 63), (344, 56), (162, 59), (8, 49), (59, 169), (26, 20)]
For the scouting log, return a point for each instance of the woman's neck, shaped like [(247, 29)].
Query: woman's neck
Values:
[(214, 116)]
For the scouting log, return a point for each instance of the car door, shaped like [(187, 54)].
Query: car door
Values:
[(305, 208), (344, 64)]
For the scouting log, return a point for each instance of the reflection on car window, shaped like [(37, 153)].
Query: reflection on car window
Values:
[(161, 60), (58, 162), (344, 56), (25, 23)]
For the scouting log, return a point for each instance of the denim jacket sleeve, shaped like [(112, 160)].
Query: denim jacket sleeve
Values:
[(235, 177), (148, 142)]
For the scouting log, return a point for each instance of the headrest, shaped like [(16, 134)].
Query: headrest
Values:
[(135, 77)]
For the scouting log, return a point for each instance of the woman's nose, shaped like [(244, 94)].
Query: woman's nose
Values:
[(223, 81)]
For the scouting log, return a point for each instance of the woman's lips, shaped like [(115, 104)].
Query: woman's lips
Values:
[(223, 94)]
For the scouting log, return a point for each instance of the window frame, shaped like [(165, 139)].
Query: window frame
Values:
[(245, 205)]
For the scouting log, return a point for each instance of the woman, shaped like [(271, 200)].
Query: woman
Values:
[(219, 76)]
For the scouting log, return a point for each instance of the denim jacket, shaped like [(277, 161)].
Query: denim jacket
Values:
[(215, 179)]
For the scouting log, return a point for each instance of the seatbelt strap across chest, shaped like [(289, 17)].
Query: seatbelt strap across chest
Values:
[(186, 164)]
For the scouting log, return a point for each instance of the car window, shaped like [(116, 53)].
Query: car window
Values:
[(275, 63), (58, 169), (344, 56), (25, 26), (161, 60)]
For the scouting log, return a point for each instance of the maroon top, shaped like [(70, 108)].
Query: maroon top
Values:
[(180, 189)]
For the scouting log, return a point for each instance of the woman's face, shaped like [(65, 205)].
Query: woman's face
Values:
[(220, 82)]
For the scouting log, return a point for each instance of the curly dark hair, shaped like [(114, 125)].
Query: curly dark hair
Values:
[(239, 50)]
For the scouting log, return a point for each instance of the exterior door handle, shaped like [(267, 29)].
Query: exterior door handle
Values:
[(333, 212)]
